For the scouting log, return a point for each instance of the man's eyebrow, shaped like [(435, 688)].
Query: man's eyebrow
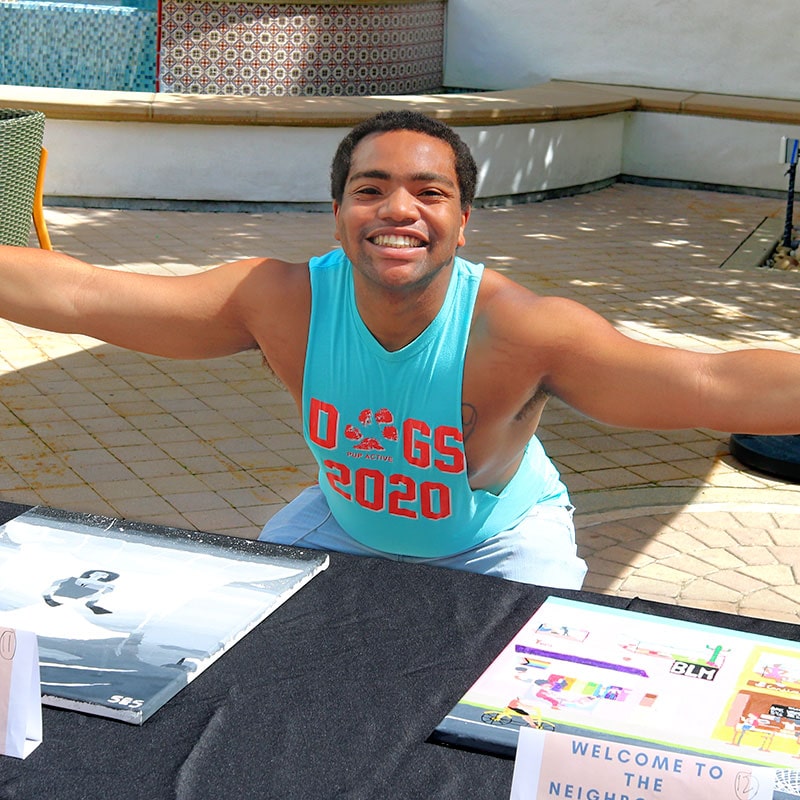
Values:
[(417, 177), (379, 174)]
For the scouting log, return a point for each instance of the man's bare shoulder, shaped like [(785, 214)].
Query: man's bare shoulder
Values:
[(508, 307), (258, 285), (267, 268)]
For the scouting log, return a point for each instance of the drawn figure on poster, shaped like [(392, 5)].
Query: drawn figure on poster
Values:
[(746, 724), (776, 728), (775, 672), (771, 728), (562, 631), (717, 651), (797, 742), (587, 703), (711, 656), (553, 691), (784, 673), (86, 589)]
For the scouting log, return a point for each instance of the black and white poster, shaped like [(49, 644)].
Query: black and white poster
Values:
[(127, 614)]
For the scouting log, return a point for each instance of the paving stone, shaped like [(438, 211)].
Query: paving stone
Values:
[(602, 566), (624, 555), (679, 540), (768, 602), (790, 591), (755, 555), (648, 525), (710, 592), (703, 535), (772, 574), (657, 549), (787, 555), (715, 605), (752, 537), (788, 520), (785, 537), (604, 584), (687, 564), (755, 519), (616, 531), (722, 520), (649, 588), (720, 557), (656, 473), (738, 581), (666, 572)]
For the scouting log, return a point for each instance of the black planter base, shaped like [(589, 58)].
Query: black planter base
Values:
[(775, 455)]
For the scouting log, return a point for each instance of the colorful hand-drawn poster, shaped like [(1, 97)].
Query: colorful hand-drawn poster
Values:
[(621, 675), (127, 614)]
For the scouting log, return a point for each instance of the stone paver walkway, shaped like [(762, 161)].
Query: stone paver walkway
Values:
[(215, 444)]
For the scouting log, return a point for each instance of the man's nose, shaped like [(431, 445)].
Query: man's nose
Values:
[(399, 205)]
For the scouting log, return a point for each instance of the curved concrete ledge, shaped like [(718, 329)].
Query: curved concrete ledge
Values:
[(555, 100), (550, 138), (551, 101), (700, 104)]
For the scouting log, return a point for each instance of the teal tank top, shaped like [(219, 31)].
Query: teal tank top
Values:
[(386, 429)]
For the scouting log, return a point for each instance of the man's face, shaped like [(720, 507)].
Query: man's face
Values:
[(400, 219)]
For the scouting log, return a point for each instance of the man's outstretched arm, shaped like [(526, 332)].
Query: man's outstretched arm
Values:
[(620, 381), (195, 316)]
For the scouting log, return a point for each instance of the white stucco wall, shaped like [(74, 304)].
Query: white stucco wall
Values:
[(706, 150), (727, 46), (227, 163), (188, 162), (526, 159), (239, 163)]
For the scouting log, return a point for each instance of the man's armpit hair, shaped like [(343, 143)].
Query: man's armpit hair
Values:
[(540, 395), (265, 363)]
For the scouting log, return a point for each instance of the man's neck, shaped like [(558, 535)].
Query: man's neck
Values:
[(395, 325), (397, 317)]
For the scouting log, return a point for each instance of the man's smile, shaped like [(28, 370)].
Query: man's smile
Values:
[(396, 240)]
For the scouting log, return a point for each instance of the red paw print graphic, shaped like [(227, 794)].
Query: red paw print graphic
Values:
[(351, 432), (369, 444), (384, 418)]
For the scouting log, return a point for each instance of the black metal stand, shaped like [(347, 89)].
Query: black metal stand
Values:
[(787, 228)]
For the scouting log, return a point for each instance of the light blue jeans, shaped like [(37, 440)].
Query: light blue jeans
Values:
[(539, 549)]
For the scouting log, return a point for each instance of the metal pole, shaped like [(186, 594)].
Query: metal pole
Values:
[(791, 172)]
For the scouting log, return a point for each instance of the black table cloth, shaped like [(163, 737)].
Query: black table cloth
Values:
[(333, 696)]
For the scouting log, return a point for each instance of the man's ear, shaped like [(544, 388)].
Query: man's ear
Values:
[(464, 219), (336, 208)]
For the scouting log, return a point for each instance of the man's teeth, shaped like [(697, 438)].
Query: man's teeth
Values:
[(393, 240)]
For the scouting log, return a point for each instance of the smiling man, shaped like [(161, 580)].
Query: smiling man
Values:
[(421, 378)]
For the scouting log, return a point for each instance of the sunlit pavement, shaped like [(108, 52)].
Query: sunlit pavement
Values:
[(214, 444)]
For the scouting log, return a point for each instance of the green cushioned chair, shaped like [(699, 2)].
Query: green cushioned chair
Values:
[(22, 161)]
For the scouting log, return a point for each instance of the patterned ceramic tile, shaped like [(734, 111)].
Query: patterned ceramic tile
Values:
[(297, 49)]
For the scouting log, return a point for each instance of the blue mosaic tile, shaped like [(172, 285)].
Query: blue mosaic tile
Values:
[(78, 45)]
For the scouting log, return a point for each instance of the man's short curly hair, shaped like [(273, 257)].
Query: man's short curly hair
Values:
[(466, 171)]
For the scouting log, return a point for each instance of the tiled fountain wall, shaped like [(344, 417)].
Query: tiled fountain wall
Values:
[(362, 47)]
